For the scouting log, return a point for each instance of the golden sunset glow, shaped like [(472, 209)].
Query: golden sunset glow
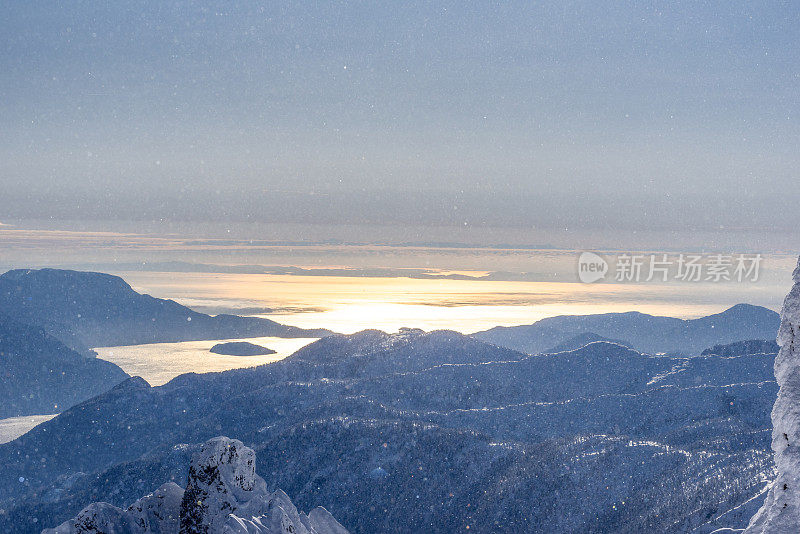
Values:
[(350, 304)]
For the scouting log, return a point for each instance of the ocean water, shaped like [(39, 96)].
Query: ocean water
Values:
[(14, 427), (158, 363)]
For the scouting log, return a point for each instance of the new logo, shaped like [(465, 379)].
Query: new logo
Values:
[(591, 267)]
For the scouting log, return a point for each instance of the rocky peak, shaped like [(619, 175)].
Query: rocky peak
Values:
[(222, 480), (223, 495)]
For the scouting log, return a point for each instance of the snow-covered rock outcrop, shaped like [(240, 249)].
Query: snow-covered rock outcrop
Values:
[(223, 495), (781, 510)]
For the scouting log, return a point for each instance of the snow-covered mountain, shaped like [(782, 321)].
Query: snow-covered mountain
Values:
[(223, 495), (40, 375), (432, 432), (781, 510), (646, 333)]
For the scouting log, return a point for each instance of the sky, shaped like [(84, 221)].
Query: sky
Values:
[(608, 117)]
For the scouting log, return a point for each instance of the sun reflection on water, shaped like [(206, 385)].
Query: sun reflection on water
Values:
[(350, 304)]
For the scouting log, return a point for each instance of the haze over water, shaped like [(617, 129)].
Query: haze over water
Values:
[(349, 304)]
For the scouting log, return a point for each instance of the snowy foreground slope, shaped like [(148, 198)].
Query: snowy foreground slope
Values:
[(781, 510), (223, 495)]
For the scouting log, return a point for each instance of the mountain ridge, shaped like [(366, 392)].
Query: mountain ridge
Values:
[(41, 375), (647, 333), (89, 309)]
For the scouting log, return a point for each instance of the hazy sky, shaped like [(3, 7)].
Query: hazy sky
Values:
[(600, 115)]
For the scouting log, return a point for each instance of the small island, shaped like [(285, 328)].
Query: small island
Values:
[(240, 348)]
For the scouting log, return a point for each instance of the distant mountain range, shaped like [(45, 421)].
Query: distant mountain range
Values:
[(646, 333), (86, 309), (431, 432), (41, 375)]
